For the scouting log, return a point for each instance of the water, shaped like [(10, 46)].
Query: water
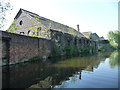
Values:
[(98, 71)]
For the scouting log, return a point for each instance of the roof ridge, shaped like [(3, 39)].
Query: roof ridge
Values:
[(29, 11), (46, 18)]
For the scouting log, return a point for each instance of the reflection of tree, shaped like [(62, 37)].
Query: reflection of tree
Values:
[(74, 79), (114, 58)]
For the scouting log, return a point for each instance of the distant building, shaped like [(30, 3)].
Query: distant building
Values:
[(103, 42), (101, 38), (91, 35)]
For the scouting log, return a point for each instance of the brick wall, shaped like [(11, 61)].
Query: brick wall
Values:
[(22, 47)]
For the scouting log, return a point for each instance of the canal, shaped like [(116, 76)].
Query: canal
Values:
[(97, 71)]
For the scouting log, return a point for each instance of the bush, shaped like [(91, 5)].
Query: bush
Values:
[(35, 58)]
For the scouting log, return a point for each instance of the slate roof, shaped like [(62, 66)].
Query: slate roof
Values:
[(45, 22)]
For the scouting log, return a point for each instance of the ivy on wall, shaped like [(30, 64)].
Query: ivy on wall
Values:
[(43, 33), (13, 27)]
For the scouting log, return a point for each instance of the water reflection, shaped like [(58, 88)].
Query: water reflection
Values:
[(58, 74), (114, 57)]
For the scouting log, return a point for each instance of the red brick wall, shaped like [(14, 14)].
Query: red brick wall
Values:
[(24, 47)]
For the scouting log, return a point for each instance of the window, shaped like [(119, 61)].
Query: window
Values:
[(33, 33), (39, 28), (28, 31), (68, 41), (75, 41), (80, 41), (37, 33), (87, 41), (22, 33), (21, 22)]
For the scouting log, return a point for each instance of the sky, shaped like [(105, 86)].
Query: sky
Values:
[(97, 16)]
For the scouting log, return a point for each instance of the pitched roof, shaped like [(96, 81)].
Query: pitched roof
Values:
[(87, 34), (20, 11), (56, 26), (95, 34)]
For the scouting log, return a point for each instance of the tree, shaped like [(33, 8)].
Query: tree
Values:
[(114, 38), (5, 6)]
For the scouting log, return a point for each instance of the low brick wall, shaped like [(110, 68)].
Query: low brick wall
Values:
[(21, 47)]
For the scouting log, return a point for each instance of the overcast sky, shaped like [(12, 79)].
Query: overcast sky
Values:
[(98, 16)]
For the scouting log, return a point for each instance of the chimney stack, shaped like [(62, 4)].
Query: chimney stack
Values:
[(78, 28)]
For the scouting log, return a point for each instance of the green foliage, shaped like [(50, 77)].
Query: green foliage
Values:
[(85, 50), (69, 49), (114, 38), (114, 59), (13, 27), (106, 47), (74, 50), (100, 48), (37, 18), (35, 58), (34, 28), (55, 52)]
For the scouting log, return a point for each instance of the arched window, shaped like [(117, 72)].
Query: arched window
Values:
[(28, 31), (21, 22)]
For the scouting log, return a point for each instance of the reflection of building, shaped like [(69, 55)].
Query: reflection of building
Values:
[(80, 75), (89, 68), (18, 77)]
